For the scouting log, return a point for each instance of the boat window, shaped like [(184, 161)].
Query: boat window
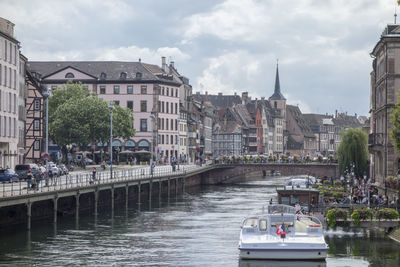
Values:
[(263, 225), (251, 223), (285, 200), (295, 199)]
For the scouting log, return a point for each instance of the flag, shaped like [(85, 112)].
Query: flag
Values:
[(280, 231)]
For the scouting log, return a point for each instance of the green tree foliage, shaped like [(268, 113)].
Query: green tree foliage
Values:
[(395, 121), (353, 151), (77, 117)]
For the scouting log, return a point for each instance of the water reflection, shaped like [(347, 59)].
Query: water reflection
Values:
[(199, 229)]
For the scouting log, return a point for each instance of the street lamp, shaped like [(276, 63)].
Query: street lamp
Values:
[(46, 95), (111, 107), (152, 117), (179, 141)]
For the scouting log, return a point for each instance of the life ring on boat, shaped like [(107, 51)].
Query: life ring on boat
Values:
[(314, 225)]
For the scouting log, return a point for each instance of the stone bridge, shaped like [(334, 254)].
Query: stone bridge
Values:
[(230, 172)]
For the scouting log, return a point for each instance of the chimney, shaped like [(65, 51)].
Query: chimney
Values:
[(234, 93), (245, 95), (140, 60), (206, 96), (172, 64), (335, 114), (263, 98), (219, 94), (163, 63)]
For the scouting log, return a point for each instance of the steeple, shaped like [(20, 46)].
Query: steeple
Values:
[(277, 93)]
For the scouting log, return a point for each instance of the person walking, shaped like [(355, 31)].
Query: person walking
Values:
[(93, 174), (29, 177), (34, 184)]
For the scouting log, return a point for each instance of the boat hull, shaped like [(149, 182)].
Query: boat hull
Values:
[(286, 254)]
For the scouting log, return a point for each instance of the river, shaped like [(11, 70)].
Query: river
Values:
[(198, 229)]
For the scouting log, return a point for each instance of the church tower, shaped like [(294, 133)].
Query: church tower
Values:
[(278, 104)]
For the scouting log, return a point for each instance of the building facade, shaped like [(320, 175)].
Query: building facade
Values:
[(10, 123), (151, 93), (385, 82)]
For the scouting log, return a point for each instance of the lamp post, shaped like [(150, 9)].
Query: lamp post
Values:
[(152, 117), (46, 95), (179, 141), (111, 107)]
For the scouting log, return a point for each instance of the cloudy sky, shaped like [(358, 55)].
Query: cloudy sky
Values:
[(223, 46)]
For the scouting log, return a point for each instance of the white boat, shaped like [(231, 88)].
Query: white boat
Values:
[(280, 234)]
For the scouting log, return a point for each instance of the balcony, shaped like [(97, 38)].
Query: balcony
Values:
[(376, 139)]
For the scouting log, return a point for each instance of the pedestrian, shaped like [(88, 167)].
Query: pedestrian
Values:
[(94, 174), (134, 161), (34, 185), (29, 177), (103, 165)]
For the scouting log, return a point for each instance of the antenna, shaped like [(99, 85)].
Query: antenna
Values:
[(277, 61), (395, 14)]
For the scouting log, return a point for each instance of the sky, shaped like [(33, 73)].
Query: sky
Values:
[(226, 46)]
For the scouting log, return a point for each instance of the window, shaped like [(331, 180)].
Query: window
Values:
[(116, 89), (176, 139), (122, 76), (167, 93), (172, 139), (162, 124), (172, 125), (159, 106), (129, 104), (143, 106), (36, 145), (176, 93), (176, 108), (162, 106), (159, 124), (275, 104), (102, 89), (103, 76), (143, 125), (129, 90), (162, 90), (116, 102), (162, 139), (85, 87), (5, 75), (166, 124), (69, 75), (36, 125), (37, 104), (143, 89), (176, 125), (138, 75), (166, 105), (172, 107), (166, 139)]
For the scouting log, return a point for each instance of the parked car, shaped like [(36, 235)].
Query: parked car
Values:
[(54, 170), (8, 175), (22, 169)]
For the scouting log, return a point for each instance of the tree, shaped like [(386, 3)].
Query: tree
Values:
[(395, 121), (353, 152), (77, 117)]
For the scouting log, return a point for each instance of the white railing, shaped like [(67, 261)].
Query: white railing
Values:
[(86, 179)]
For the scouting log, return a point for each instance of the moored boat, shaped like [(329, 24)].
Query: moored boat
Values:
[(280, 234)]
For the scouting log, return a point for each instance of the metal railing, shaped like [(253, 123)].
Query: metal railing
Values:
[(79, 180)]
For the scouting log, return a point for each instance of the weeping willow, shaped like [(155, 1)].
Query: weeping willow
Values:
[(353, 152)]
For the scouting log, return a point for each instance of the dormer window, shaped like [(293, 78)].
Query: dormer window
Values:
[(103, 76), (122, 76), (138, 75), (69, 75)]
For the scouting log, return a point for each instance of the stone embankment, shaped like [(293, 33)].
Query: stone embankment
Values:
[(395, 234)]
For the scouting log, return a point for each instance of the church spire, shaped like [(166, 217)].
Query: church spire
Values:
[(277, 92), (277, 84)]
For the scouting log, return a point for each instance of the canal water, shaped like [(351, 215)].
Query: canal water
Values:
[(197, 229)]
